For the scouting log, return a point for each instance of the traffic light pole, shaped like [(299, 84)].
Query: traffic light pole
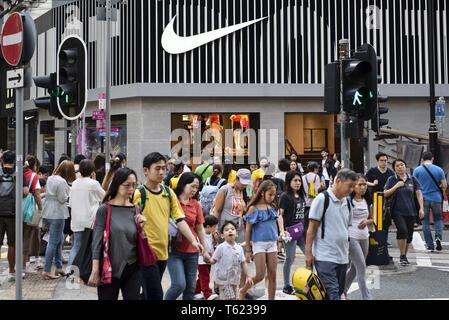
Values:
[(344, 117), (19, 191), (108, 83)]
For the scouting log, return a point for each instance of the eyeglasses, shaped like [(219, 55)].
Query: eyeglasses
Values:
[(129, 185)]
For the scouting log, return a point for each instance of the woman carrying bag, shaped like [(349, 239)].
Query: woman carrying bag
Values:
[(408, 205), (118, 225)]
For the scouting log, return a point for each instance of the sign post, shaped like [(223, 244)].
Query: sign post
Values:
[(440, 114), (18, 42)]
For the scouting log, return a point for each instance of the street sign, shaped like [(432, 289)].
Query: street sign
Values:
[(12, 39), (98, 115), (440, 109), (14, 78), (114, 132), (101, 101)]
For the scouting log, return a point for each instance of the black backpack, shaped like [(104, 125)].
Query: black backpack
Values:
[(7, 193), (326, 206)]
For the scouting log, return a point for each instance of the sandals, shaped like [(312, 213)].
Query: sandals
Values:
[(50, 277)]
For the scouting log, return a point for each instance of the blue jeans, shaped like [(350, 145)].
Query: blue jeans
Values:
[(77, 242), (437, 211), (333, 276), (182, 267), (290, 252), (54, 247)]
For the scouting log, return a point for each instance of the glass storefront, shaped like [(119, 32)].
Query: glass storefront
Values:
[(95, 137), (200, 137)]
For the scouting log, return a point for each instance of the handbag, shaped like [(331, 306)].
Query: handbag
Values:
[(378, 249), (106, 271), (83, 259), (146, 256), (28, 204), (295, 231), (36, 217)]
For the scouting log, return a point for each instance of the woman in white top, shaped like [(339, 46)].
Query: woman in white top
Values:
[(362, 217), (85, 198), (54, 213)]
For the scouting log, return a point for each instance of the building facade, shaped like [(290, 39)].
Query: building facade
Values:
[(263, 82)]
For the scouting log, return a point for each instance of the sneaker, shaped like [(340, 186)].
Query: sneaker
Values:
[(213, 297), (11, 277), (30, 270), (403, 260), (288, 290), (39, 266), (281, 256), (32, 259), (438, 243), (199, 296)]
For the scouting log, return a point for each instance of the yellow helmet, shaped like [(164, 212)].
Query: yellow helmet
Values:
[(307, 285)]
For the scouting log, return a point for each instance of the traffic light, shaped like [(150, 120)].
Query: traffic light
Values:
[(332, 88), (360, 81), (72, 77), (49, 103), (377, 122)]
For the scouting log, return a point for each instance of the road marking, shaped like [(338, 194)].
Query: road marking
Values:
[(422, 259)]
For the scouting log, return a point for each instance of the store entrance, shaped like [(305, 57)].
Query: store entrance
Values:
[(307, 134), (198, 137)]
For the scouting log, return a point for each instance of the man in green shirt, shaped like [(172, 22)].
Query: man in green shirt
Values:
[(205, 170)]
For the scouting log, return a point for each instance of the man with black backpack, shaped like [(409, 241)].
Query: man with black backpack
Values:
[(328, 249), (8, 207), (433, 182), (158, 203)]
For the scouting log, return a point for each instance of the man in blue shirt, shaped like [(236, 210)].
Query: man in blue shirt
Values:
[(329, 252), (432, 180)]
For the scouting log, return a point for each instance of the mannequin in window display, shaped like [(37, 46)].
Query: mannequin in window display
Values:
[(217, 131), (239, 125)]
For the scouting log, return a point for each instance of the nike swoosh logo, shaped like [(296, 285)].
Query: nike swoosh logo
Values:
[(174, 44)]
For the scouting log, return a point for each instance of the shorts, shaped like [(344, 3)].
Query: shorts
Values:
[(8, 226), (228, 292), (405, 226), (264, 247)]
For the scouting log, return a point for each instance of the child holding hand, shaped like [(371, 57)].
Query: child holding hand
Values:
[(230, 262)]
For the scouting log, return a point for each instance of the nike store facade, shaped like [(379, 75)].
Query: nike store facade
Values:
[(251, 71)]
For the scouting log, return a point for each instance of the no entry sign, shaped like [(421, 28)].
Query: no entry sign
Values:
[(12, 39)]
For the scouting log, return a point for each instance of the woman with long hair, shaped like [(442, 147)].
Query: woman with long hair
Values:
[(182, 261), (122, 240), (55, 212), (292, 208), (362, 217), (261, 237), (115, 165)]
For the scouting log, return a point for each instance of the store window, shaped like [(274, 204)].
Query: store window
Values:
[(95, 137), (199, 137)]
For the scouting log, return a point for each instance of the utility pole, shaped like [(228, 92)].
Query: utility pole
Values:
[(433, 130), (344, 117), (108, 82)]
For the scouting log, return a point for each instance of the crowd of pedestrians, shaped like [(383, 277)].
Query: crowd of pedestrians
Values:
[(220, 216)]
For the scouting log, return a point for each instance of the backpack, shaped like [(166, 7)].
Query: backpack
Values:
[(7, 193), (208, 195), (28, 204), (311, 194), (326, 206), (174, 235)]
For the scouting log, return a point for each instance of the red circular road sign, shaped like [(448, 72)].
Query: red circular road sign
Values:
[(12, 39)]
